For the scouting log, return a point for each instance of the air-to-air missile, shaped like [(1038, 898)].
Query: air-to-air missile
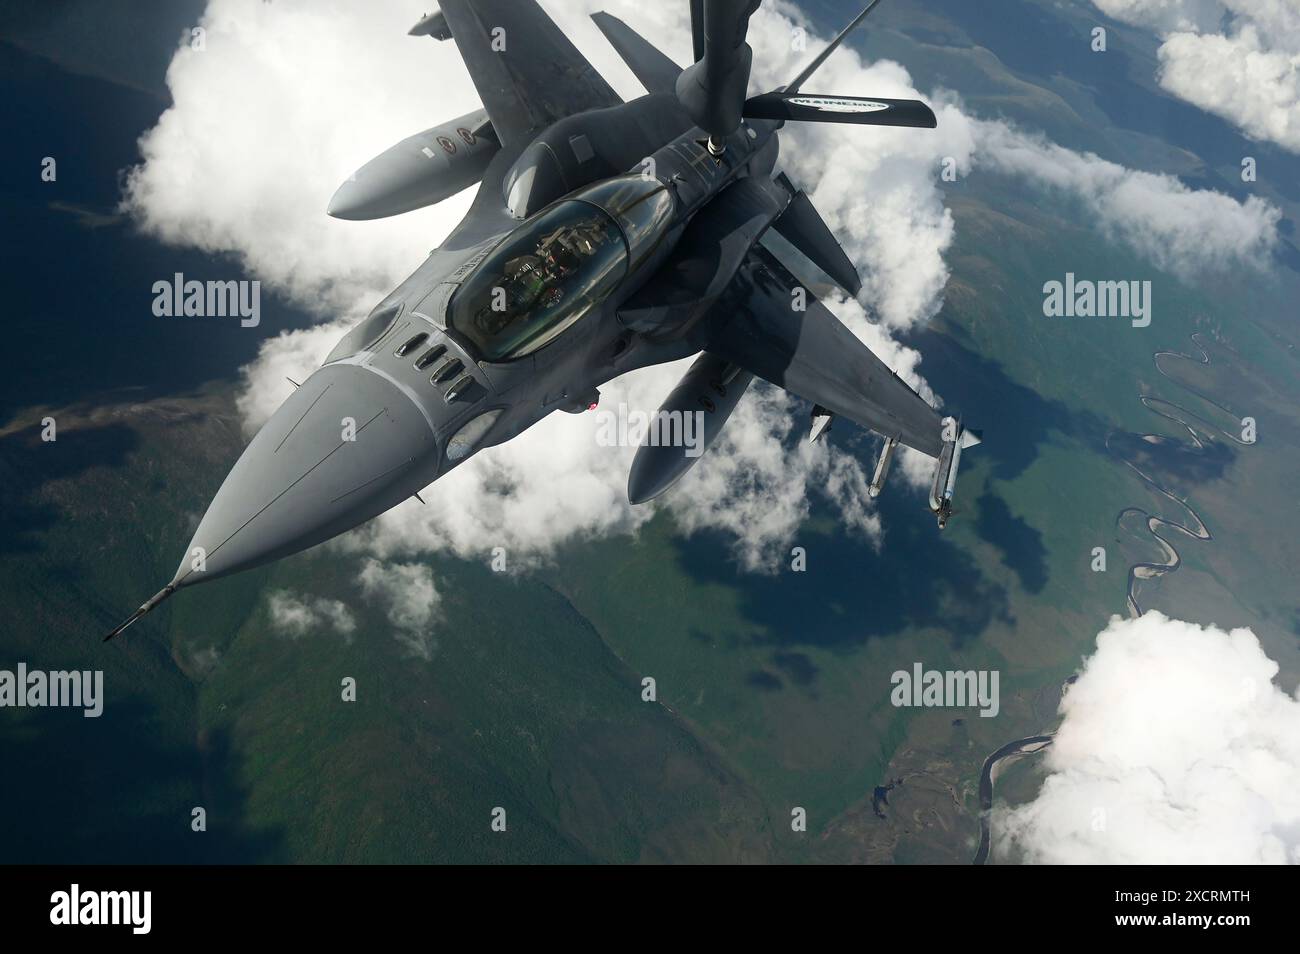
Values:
[(945, 473)]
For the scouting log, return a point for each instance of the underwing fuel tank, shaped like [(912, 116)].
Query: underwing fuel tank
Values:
[(945, 473), (686, 425), (421, 170)]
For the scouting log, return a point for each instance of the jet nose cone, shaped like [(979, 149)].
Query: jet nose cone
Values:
[(345, 447)]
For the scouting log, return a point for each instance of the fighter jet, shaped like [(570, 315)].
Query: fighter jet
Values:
[(605, 236)]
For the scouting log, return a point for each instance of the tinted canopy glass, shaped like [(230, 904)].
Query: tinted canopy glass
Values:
[(539, 281), (642, 206)]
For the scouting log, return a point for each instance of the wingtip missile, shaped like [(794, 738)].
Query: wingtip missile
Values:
[(945, 473)]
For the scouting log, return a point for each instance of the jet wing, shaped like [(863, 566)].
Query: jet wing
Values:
[(526, 71), (812, 354)]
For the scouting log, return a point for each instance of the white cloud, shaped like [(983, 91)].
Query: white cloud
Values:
[(288, 98), (1176, 747), (299, 615), (1165, 16), (1185, 231), (1238, 59), (283, 103), (411, 601), (282, 360)]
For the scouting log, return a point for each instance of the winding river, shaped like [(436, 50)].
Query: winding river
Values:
[(1163, 531), (1016, 749)]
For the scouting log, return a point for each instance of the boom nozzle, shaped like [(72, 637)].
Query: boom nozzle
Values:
[(148, 605)]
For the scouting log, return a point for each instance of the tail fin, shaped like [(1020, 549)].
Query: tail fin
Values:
[(656, 71)]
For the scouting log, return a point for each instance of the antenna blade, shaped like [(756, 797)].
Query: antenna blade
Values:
[(821, 57)]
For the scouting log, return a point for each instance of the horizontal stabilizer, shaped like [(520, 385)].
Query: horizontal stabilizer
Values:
[(802, 226), (816, 108), (657, 73), (812, 354)]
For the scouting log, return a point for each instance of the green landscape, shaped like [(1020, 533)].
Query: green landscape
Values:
[(771, 689)]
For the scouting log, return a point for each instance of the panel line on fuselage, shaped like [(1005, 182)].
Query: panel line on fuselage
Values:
[(261, 510)]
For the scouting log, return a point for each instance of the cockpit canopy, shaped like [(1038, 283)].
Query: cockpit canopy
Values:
[(641, 205), (554, 269), (544, 277)]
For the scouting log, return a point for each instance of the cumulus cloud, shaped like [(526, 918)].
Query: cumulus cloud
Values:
[(1175, 747), (409, 598), (1185, 231), (298, 615), (1166, 16), (285, 101), (289, 98), (1238, 59)]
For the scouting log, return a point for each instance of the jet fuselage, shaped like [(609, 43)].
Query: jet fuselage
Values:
[(509, 321)]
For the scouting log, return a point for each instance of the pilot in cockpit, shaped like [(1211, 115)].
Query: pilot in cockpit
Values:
[(539, 277)]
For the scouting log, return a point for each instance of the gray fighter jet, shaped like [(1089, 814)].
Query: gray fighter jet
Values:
[(605, 236)]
